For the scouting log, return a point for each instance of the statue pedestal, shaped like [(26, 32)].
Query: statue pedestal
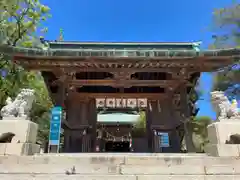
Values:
[(26, 149), (25, 131), (24, 141), (218, 134)]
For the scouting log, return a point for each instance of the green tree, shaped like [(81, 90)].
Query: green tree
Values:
[(200, 134), (197, 128), (226, 29), (139, 127), (141, 123), (20, 22), (41, 107)]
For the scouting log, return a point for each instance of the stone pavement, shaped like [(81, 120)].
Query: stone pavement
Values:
[(117, 166)]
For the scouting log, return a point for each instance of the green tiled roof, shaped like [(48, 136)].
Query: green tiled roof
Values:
[(117, 117), (77, 53), (122, 45)]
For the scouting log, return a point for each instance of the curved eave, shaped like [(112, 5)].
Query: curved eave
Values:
[(34, 53), (124, 43)]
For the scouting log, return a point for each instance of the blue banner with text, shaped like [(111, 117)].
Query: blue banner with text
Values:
[(55, 126)]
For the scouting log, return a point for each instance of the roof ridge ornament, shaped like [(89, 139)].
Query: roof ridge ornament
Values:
[(61, 35)]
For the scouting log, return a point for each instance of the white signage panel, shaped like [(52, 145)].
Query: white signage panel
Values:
[(121, 103)]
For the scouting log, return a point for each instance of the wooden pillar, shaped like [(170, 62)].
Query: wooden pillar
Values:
[(74, 133), (174, 139), (98, 141), (148, 128), (85, 123), (67, 137), (156, 142), (93, 123), (67, 132), (86, 142), (61, 95), (61, 99), (153, 117), (163, 119), (185, 114), (77, 136)]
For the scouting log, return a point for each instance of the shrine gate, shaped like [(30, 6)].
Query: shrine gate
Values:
[(152, 77)]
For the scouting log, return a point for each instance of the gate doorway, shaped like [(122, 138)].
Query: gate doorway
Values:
[(117, 146)]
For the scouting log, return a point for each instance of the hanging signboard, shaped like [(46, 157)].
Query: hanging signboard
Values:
[(55, 127), (121, 103)]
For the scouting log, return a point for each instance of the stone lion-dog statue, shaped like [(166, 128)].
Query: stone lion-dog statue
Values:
[(223, 107), (21, 106)]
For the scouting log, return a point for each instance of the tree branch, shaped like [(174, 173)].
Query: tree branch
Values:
[(18, 28)]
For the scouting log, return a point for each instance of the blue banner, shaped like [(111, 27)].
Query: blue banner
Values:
[(164, 139), (55, 126)]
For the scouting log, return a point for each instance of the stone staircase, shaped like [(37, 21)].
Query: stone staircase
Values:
[(127, 166)]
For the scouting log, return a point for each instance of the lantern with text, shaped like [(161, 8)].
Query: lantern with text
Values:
[(132, 103), (100, 103), (110, 103)]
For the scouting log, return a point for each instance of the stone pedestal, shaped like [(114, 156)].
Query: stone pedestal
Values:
[(24, 141), (218, 134), (25, 131), (19, 149)]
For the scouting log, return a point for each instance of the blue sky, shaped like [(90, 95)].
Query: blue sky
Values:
[(137, 20)]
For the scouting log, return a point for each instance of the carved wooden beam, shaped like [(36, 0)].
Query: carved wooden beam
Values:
[(79, 96), (195, 68), (124, 83), (103, 69)]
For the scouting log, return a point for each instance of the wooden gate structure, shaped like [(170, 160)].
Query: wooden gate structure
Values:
[(160, 74)]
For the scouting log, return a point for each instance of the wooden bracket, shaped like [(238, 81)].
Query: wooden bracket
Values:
[(182, 74)]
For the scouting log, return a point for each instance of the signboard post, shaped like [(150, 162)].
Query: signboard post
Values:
[(55, 129)]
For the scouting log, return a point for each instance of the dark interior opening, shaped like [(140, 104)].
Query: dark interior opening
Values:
[(117, 146), (148, 89), (151, 76), (109, 89), (98, 89), (93, 75)]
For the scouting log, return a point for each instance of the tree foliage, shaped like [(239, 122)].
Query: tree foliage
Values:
[(226, 27), (141, 123), (20, 22), (139, 127), (200, 134)]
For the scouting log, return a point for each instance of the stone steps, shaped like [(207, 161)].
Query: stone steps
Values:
[(120, 167), (121, 170), (116, 177), (119, 159)]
